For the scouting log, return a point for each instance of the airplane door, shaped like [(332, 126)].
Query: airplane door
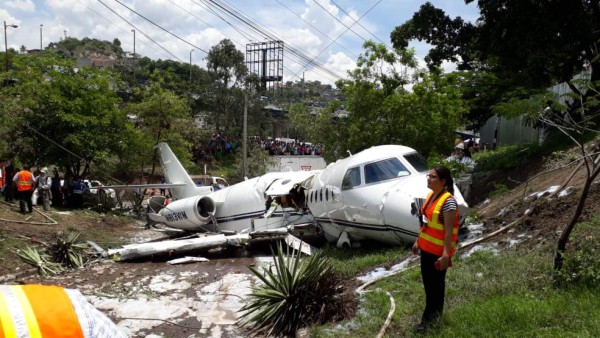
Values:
[(361, 205)]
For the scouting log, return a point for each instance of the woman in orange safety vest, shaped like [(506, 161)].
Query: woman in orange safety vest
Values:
[(436, 242), (50, 311)]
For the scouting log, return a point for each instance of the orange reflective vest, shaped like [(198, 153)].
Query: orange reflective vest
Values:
[(431, 236), (37, 311), (24, 181)]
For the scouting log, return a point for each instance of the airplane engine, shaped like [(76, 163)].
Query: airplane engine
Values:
[(189, 213)]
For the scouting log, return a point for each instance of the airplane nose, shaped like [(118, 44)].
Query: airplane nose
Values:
[(401, 207)]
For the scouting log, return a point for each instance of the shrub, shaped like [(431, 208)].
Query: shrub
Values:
[(506, 157), (295, 293), (581, 265)]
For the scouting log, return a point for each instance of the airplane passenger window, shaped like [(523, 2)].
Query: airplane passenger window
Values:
[(384, 170), (351, 179), (327, 194)]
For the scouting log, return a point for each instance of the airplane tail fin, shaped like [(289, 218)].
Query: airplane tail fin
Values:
[(175, 173)]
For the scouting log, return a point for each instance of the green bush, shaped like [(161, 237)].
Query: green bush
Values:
[(499, 189), (580, 266), (506, 157)]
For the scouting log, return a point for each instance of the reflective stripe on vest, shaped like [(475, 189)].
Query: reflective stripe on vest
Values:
[(431, 236), (24, 181), (37, 311)]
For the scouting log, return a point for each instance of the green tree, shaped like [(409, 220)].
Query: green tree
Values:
[(163, 115), (65, 116), (384, 110), (527, 44), (226, 67)]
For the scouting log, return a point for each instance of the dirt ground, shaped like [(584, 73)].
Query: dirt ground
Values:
[(152, 298)]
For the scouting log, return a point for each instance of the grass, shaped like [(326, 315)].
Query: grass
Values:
[(9, 243), (487, 295)]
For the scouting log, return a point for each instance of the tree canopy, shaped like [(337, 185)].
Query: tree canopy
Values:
[(524, 46), (64, 116)]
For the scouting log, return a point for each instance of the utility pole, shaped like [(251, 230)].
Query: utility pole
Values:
[(191, 65), (133, 30), (303, 90), (245, 135), (65, 31), (41, 46), (6, 43)]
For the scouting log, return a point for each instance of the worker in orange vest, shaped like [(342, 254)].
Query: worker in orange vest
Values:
[(51, 311), (25, 183), (436, 242)]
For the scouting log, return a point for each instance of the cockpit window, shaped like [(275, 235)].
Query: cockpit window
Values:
[(351, 179), (384, 170), (417, 161)]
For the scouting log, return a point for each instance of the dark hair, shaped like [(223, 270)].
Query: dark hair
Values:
[(25, 167), (444, 174)]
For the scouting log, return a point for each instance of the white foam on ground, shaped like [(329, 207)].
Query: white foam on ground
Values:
[(163, 297)]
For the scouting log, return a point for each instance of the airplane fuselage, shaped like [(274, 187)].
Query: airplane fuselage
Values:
[(371, 195), (368, 196)]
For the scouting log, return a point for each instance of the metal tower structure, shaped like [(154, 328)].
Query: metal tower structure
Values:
[(265, 59)]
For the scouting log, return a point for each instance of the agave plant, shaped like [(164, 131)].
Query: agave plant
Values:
[(67, 250), (295, 293), (45, 267)]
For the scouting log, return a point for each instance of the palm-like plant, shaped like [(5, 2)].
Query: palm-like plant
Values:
[(296, 292), (68, 250), (45, 267)]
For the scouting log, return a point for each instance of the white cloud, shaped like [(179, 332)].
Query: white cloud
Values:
[(191, 21), (21, 5), (340, 63)]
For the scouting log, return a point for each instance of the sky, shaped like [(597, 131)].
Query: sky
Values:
[(329, 33)]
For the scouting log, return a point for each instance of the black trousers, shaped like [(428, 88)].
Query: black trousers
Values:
[(434, 282), (25, 199)]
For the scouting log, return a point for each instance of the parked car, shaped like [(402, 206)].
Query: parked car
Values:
[(94, 186)]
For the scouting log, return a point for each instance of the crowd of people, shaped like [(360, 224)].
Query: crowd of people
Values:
[(221, 145), (286, 146), (39, 188)]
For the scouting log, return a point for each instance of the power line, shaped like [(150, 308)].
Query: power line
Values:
[(137, 29), (339, 36), (348, 28), (160, 27), (254, 27), (220, 17), (315, 28), (106, 19), (363, 27), (224, 6)]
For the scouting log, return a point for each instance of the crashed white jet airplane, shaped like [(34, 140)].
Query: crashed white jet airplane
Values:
[(372, 195)]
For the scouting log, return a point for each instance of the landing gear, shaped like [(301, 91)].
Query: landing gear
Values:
[(345, 242)]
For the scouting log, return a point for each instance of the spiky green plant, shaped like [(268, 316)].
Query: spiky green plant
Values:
[(296, 293), (67, 250), (32, 257)]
